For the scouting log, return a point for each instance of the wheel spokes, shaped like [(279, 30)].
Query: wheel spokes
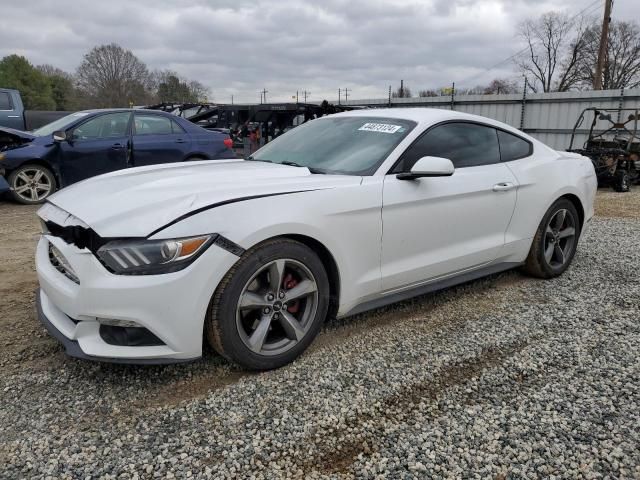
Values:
[(259, 335), (22, 189), (24, 177), (567, 232), (251, 300), (38, 175), (276, 274), (559, 254), (559, 220), (291, 326), (548, 253), (303, 289)]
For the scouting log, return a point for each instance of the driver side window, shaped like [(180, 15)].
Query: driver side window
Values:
[(111, 125), (465, 144)]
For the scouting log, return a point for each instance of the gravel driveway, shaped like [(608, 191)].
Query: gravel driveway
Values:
[(506, 377)]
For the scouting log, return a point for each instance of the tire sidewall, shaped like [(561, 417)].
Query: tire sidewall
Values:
[(558, 205), (233, 346), (12, 179)]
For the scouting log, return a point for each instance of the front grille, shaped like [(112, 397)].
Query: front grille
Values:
[(60, 263)]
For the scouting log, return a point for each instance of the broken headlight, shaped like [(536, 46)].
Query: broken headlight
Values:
[(152, 257)]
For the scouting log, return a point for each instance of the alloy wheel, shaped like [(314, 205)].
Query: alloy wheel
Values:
[(32, 184), (559, 239), (276, 307)]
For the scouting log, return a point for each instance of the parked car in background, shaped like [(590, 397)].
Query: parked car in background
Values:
[(89, 143), (252, 256), (13, 115)]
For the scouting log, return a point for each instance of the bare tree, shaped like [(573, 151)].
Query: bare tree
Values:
[(553, 52), (622, 58), (402, 92), (113, 77), (500, 86), (428, 93)]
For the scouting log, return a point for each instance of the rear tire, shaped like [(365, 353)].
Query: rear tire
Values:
[(270, 306), (31, 184), (554, 244), (621, 181)]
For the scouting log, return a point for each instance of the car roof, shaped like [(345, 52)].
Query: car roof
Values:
[(144, 110), (417, 114)]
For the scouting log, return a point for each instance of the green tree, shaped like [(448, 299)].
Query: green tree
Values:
[(16, 72), (62, 89), (172, 88)]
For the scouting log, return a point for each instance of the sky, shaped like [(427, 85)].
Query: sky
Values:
[(240, 47)]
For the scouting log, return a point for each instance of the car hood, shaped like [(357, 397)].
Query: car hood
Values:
[(18, 133), (11, 138), (136, 202)]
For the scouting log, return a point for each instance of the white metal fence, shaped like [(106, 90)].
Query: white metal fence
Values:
[(549, 117)]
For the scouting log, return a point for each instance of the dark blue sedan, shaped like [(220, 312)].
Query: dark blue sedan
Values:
[(89, 143)]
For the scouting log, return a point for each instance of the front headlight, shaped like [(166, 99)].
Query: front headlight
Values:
[(152, 257), (2, 155)]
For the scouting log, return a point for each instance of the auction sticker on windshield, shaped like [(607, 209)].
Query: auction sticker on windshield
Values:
[(380, 127)]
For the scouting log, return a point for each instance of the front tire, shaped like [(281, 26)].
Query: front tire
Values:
[(270, 306), (31, 184), (554, 244)]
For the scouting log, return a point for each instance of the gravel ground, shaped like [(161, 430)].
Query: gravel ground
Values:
[(506, 377)]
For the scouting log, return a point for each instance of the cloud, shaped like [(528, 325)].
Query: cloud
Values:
[(240, 47)]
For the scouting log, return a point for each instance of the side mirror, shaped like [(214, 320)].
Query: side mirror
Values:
[(429, 167), (59, 136)]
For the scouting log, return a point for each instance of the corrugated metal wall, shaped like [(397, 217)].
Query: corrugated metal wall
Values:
[(549, 117)]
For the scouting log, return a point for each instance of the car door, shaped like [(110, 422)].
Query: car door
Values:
[(10, 116), (158, 139), (101, 144), (437, 226)]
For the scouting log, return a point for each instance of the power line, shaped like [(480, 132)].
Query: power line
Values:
[(596, 4)]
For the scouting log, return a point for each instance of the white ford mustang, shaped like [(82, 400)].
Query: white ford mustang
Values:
[(343, 214)]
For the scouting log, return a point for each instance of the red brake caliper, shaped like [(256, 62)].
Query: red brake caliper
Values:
[(288, 283)]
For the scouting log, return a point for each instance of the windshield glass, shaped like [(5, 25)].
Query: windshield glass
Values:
[(60, 124), (346, 145)]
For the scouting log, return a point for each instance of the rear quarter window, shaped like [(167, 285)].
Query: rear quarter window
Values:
[(513, 147)]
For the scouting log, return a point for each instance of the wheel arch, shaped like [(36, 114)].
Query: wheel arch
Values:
[(575, 200)]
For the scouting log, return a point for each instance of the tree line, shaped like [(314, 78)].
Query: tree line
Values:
[(108, 76), (561, 55)]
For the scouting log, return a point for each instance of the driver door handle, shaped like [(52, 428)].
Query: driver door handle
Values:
[(117, 146), (180, 140), (503, 187)]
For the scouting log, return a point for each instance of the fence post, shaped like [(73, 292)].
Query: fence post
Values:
[(621, 103), (524, 104), (453, 93)]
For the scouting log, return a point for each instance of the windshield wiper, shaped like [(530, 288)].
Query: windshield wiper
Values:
[(311, 169)]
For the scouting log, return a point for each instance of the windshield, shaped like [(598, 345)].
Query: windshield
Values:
[(60, 124), (346, 145)]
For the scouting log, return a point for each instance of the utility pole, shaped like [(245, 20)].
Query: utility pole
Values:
[(264, 94), (389, 95), (401, 89), (231, 99), (305, 93), (338, 96), (346, 94), (602, 51)]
